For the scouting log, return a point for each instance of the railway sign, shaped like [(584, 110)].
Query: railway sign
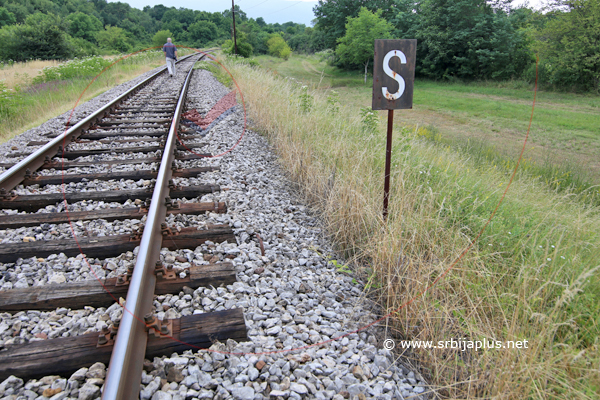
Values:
[(393, 81), (394, 74)]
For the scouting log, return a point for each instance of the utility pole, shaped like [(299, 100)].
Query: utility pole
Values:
[(235, 50)]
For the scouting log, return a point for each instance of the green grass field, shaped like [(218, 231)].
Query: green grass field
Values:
[(486, 116)]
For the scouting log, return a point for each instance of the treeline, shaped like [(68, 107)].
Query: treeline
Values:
[(62, 29), (457, 39), (475, 39)]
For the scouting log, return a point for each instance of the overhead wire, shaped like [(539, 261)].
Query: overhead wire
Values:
[(285, 8), (256, 5)]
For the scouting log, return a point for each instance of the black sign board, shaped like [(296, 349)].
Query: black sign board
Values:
[(394, 73)]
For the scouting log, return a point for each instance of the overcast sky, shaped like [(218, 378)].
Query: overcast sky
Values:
[(272, 11)]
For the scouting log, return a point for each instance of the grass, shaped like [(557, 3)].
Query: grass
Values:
[(216, 70), (565, 135), (532, 275), (27, 100), (20, 74)]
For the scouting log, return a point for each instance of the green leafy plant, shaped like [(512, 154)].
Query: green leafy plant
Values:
[(278, 47), (6, 99), (370, 120), (343, 268), (306, 99), (333, 102), (77, 68), (372, 281)]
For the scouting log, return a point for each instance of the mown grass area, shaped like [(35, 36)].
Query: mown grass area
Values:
[(484, 118), (29, 98), (532, 275)]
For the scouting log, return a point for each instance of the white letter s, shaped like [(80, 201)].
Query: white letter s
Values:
[(393, 74)]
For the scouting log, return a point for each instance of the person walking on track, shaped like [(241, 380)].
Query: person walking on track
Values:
[(171, 55)]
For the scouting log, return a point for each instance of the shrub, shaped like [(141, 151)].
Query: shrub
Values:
[(278, 47)]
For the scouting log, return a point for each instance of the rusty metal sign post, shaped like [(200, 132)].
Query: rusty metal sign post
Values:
[(393, 82)]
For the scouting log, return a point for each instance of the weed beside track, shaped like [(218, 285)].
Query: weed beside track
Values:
[(533, 274)]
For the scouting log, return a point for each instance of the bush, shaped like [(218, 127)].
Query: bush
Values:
[(90, 66), (43, 36), (114, 38), (160, 38), (278, 47), (83, 48), (244, 48)]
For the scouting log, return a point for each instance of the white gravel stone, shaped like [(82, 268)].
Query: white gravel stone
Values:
[(243, 393), (88, 392)]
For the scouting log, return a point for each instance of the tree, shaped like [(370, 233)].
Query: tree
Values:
[(356, 47), (174, 26), (160, 38), (405, 19), (260, 42), (19, 11), (332, 15), (181, 16), (83, 26), (240, 16), (112, 13), (6, 17), (278, 47), (113, 38), (243, 46), (202, 32), (569, 45), (42, 36), (468, 39), (157, 11)]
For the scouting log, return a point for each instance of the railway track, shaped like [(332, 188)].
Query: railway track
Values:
[(81, 181)]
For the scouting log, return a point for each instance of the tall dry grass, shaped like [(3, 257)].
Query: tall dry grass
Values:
[(533, 275), (20, 74), (25, 104)]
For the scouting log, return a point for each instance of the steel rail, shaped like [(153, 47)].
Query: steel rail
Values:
[(125, 369), (15, 175)]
